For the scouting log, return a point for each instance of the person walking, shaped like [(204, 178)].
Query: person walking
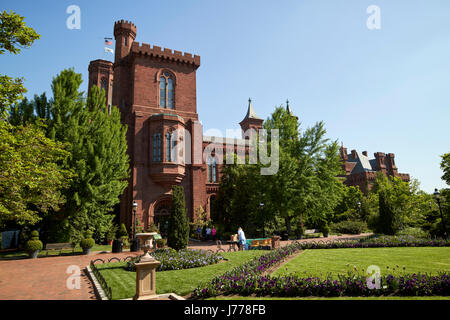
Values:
[(242, 240), (213, 233), (208, 233), (199, 232)]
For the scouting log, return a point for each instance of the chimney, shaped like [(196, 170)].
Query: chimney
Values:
[(354, 154)]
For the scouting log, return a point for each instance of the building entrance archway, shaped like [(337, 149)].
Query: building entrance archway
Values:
[(161, 215)]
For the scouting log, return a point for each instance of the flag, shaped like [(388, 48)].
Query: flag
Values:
[(109, 50), (108, 43)]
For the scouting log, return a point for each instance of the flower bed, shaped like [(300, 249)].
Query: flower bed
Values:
[(176, 260), (249, 279), (294, 286), (377, 242)]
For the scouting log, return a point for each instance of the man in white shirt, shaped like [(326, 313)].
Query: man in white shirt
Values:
[(242, 240)]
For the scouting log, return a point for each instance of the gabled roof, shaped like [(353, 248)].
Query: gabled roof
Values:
[(362, 163)]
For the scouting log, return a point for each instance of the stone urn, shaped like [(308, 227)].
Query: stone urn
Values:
[(146, 269), (146, 240)]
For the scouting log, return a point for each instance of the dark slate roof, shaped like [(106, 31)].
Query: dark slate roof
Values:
[(363, 163)]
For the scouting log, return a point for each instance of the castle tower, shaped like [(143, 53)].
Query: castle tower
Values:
[(124, 33), (251, 121), (101, 75), (380, 164)]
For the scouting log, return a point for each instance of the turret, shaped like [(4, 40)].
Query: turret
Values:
[(124, 33), (101, 75), (251, 121)]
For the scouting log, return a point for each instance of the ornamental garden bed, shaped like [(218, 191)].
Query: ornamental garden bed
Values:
[(171, 259), (180, 282), (250, 279)]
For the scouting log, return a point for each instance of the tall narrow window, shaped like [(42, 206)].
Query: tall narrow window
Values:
[(168, 146), (156, 147), (104, 84), (166, 91), (173, 150), (170, 93), (162, 92), (209, 170), (212, 177)]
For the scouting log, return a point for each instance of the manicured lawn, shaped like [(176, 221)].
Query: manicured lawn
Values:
[(43, 253), (181, 282), (320, 262)]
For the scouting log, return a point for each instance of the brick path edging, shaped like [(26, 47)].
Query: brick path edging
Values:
[(99, 293)]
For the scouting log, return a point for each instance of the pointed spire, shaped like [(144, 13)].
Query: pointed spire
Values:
[(288, 109), (250, 112)]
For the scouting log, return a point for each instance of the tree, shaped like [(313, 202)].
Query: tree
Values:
[(386, 220), (30, 111), (14, 34), (305, 188), (31, 182), (178, 228), (348, 209), (445, 166), (96, 140)]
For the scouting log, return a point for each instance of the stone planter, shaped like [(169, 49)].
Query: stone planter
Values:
[(87, 250), (34, 254), (325, 235)]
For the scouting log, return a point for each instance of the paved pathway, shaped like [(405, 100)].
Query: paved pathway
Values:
[(206, 245), (46, 278)]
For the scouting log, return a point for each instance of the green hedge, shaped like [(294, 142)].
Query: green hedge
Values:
[(349, 227)]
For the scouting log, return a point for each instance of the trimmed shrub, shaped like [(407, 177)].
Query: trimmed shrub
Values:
[(414, 232), (87, 243), (178, 229), (34, 244), (349, 227)]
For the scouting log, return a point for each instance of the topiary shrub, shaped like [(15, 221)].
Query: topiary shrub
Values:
[(88, 242), (34, 245)]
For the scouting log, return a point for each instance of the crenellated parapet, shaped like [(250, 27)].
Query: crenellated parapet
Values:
[(124, 27), (169, 54)]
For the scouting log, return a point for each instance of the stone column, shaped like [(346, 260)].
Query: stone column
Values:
[(145, 280)]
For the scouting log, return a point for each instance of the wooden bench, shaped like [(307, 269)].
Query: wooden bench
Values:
[(59, 246), (311, 231)]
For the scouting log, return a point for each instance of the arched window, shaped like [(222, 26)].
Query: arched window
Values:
[(157, 147), (104, 84), (212, 173), (166, 91)]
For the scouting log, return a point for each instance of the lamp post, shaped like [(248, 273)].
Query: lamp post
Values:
[(135, 205), (261, 205), (437, 196), (359, 208)]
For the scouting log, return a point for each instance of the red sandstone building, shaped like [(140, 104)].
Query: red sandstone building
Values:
[(361, 171), (155, 90)]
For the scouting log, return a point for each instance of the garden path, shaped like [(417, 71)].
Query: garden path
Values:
[(46, 278)]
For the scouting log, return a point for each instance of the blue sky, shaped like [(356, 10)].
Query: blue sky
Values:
[(382, 90)]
